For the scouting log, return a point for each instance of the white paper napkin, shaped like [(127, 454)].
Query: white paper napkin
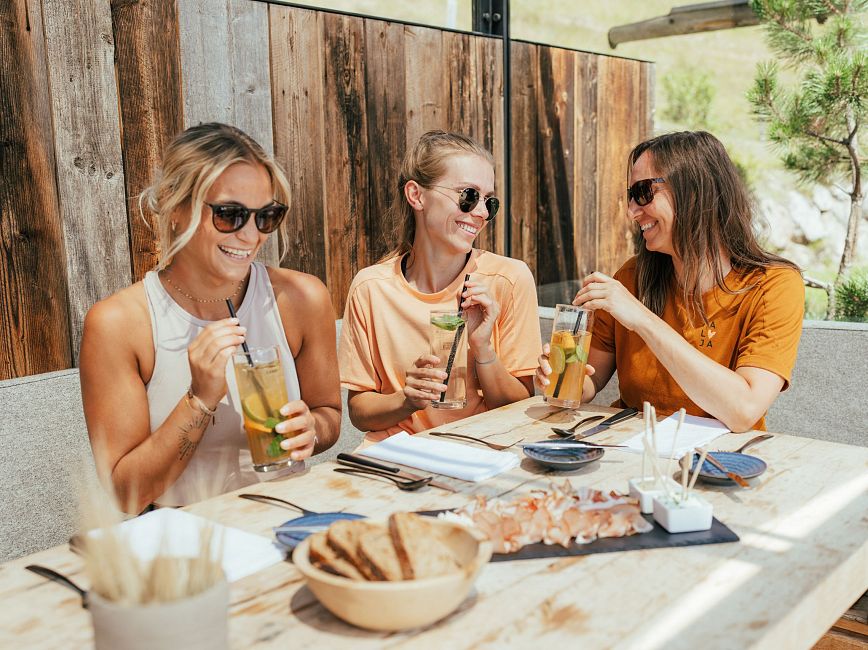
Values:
[(175, 533), (447, 458), (695, 432)]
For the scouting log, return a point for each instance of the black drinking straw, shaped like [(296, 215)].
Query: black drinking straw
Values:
[(563, 374), (455, 341), (243, 343), (259, 389)]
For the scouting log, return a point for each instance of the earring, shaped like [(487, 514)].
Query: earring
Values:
[(174, 225)]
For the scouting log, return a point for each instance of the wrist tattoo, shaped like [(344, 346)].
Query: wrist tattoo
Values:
[(186, 446)]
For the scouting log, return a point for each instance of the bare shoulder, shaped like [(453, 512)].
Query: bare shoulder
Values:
[(120, 323), (301, 290)]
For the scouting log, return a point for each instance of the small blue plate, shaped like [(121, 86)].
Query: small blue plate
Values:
[(292, 532), (565, 459), (744, 465)]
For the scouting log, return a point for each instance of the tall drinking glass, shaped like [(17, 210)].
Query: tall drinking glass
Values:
[(449, 344), (262, 391), (571, 341)]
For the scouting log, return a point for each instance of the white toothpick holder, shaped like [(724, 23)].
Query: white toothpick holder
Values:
[(694, 513), (645, 489)]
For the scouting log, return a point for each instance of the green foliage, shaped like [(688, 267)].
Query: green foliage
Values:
[(689, 94), (851, 298), (824, 42)]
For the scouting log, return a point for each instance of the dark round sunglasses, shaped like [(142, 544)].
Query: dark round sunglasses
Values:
[(230, 217), (641, 191), (469, 197)]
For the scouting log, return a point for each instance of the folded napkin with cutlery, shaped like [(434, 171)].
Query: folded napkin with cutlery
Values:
[(695, 432), (447, 458), (171, 532)]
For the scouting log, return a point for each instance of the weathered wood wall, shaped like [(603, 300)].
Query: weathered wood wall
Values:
[(92, 90)]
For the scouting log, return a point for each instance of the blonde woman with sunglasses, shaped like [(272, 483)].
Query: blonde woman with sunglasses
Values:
[(159, 391), (702, 318), (443, 199)]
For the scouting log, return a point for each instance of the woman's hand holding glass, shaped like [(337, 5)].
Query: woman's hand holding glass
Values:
[(480, 312), (208, 355), (544, 369), (599, 291), (424, 382), (301, 426)]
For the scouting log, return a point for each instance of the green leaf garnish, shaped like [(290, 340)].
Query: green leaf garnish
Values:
[(274, 449), (447, 322), (270, 423)]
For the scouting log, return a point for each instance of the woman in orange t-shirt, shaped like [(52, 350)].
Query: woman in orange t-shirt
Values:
[(701, 317), (443, 199)]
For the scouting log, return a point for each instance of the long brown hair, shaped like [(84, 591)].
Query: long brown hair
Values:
[(191, 163), (713, 212), (425, 163)]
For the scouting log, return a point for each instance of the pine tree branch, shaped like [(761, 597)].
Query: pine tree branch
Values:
[(825, 138), (816, 284)]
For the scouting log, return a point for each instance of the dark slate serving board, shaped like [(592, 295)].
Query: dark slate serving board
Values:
[(719, 533)]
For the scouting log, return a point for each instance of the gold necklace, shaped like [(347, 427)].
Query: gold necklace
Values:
[(202, 300)]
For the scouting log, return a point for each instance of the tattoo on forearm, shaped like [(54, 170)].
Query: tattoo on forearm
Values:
[(186, 446)]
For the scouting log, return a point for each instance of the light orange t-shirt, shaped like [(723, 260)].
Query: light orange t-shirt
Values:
[(387, 322), (759, 328)]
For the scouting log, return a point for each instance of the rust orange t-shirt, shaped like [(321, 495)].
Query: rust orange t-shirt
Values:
[(759, 328), (387, 322)]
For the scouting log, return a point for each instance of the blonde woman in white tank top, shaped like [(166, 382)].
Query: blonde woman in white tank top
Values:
[(159, 394)]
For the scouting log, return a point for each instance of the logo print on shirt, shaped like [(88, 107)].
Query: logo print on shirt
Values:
[(705, 336)]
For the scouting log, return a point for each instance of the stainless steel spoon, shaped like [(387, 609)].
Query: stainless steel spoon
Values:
[(564, 433), (263, 498), (407, 486), (753, 441), (59, 578)]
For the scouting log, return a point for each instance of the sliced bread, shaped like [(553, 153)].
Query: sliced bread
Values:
[(323, 556), (420, 552), (343, 537), (378, 556)]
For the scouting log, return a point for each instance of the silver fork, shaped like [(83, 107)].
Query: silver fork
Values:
[(490, 445)]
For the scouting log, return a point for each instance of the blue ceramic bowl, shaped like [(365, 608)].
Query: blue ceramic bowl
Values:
[(744, 465), (565, 459)]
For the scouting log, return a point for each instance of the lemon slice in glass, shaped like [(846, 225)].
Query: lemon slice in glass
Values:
[(557, 359)]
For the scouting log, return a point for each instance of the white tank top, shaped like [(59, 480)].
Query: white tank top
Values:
[(222, 460)]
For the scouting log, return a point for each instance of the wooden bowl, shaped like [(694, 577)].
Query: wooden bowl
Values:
[(402, 604)]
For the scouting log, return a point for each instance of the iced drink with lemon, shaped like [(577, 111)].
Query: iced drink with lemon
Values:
[(571, 341), (262, 391), (449, 344)]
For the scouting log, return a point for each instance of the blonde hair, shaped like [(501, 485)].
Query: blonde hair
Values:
[(192, 162), (425, 163)]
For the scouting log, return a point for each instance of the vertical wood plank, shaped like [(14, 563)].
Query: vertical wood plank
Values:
[(386, 124), (90, 174), (556, 256), (488, 130), (34, 318), (585, 164), (297, 86), (346, 151), (425, 83), (225, 62), (618, 131), (525, 71), (149, 84)]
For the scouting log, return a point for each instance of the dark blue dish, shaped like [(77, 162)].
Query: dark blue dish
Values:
[(307, 525), (565, 459), (744, 465)]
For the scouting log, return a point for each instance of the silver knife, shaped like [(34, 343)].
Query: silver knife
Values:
[(357, 461), (620, 416)]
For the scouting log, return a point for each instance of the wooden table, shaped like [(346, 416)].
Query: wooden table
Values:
[(801, 562)]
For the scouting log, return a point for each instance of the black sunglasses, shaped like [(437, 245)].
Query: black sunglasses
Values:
[(640, 191), (470, 196), (229, 217)]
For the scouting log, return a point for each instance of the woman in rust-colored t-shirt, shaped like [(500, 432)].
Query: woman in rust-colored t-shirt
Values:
[(701, 317)]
